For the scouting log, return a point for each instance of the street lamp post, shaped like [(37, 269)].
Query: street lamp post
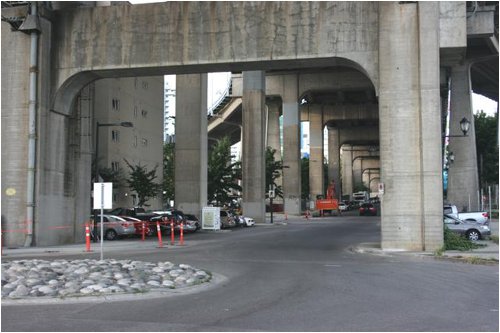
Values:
[(96, 167), (464, 127), (448, 155)]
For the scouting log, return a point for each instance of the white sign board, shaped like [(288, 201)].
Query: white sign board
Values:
[(210, 218), (103, 195)]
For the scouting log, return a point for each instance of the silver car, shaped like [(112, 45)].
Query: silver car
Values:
[(114, 227), (473, 231)]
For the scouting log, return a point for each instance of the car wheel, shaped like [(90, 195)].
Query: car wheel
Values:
[(473, 235), (110, 234)]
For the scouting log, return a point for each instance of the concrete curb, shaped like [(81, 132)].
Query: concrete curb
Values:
[(487, 255)]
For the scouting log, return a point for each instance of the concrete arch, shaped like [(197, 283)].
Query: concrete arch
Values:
[(65, 94)]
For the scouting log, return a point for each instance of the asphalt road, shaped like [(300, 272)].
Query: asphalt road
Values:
[(295, 277)]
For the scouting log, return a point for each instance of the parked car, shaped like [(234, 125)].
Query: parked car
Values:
[(479, 217), (137, 212), (226, 219), (342, 206), (248, 221), (190, 219), (243, 221), (178, 217), (114, 227), (367, 209), (473, 231), (149, 228)]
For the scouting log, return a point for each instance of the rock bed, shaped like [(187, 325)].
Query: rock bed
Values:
[(67, 278)]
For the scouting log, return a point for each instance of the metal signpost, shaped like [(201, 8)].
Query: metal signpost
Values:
[(103, 199)]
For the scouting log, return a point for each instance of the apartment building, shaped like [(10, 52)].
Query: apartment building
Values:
[(139, 101)]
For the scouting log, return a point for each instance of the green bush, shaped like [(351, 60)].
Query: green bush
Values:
[(453, 241)]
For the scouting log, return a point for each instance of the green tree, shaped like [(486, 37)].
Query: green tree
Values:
[(169, 170), (273, 171), (142, 182), (109, 175), (223, 175), (486, 128), (305, 177)]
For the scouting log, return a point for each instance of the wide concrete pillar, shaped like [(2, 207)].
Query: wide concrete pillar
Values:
[(410, 126), (253, 156), (463, 179), (334, 159), (291, 146), (316, 186), (191, 143)]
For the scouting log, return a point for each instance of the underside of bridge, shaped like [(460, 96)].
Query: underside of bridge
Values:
[(368, 71)]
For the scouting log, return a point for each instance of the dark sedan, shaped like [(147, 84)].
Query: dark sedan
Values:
[(367, 209)]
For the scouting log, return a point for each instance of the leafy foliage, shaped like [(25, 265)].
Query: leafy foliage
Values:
[(142, 182), (169, 170), (453, 241), (112, 176), (487, 147), (274, 170), (223, 175), (305, 177)]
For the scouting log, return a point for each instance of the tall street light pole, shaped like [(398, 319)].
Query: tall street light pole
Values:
[(96, 164)]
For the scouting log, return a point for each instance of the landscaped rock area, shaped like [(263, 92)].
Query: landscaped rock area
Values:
[(66, 278)]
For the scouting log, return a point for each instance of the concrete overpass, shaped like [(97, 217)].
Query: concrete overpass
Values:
[(400, 47)]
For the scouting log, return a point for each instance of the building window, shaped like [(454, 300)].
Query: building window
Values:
[(115, 136), (115, 166), (115, 104)]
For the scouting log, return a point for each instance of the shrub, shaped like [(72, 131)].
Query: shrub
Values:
[(453, 241)]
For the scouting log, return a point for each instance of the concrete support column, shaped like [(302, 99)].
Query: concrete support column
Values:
[(347, 181), (291, 146), (334, 159), (463, 179), (316, 186), (273, 127), (253, 156), (410, 126), (191, 143), (430, 127)]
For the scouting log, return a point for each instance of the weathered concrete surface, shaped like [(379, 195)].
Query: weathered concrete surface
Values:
[(253, 154), (410, 118), (196, 36), (191, 143)]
